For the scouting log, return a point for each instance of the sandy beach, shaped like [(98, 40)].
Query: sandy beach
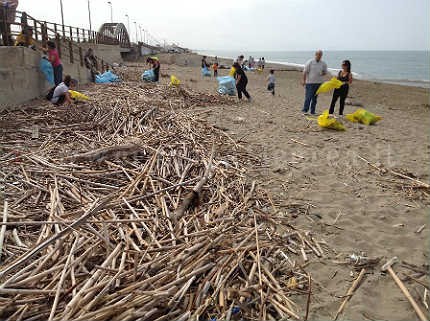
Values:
[(354, 207), (362, 193)]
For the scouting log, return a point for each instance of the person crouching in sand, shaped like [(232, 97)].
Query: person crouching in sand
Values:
[(60, 94), (241, 82), (344, 76)]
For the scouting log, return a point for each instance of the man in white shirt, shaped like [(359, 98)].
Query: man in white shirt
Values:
[(313, 77)]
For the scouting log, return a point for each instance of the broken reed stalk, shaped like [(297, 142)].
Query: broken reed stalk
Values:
[(350, 293)]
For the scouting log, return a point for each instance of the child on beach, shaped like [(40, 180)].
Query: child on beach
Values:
[(215, 68), (344, 76), (271, 82)]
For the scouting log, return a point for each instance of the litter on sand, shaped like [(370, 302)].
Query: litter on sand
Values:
[(363, 116), (325, 121), (78, 96)]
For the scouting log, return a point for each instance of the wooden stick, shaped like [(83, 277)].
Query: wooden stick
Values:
[(350, 292), (3, 228)]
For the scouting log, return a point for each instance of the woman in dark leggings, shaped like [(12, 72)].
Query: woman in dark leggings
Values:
[(344, 76), (241, 82)]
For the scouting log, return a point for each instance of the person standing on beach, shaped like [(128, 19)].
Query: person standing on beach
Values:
[(344, 76), (241, 82), (271, 82), (204, 62), (54, 59), (263, 62), (313, 76), (215, 68)]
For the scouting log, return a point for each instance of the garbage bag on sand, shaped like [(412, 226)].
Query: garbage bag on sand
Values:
[(148, 75), (327, 122), (226, 85), (363, 116), (232, 72), (47, 70), (106, 77), (174, 81), (78, 96), (333, 83), (206, 72)]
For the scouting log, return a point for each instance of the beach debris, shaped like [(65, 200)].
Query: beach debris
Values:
[(350, 293), (388, 267), (125, 209), (363, 116), (420, 229), (325, 121)]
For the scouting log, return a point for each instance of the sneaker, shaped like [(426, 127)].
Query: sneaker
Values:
[(332, 116), (306, 114)]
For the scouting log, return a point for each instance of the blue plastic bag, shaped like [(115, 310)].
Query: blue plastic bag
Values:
[(226, 85), (148, 75), (47, 70), (106, 77), (206, 72)]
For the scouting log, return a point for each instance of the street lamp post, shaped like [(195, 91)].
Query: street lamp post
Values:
[(128, 24), (89, 14), (62, 18), (111, 11), (140, 29), (135, 27)]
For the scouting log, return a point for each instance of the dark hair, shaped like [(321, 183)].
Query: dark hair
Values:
[(51, 44), (347, 63), (68, 80), (236, 65), (272, 71)]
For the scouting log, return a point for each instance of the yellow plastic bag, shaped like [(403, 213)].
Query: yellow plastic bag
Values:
[(232, 72), (327, 122), (174, 81), (78, 96), (363, 116), (333, 83)]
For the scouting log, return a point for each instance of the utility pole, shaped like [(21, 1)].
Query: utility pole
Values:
[(135, 27), (140, 29), (89, 14)]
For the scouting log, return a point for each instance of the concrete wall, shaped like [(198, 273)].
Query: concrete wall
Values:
[(108, 53), (20, 77)]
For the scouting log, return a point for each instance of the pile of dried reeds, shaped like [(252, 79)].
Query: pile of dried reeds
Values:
[(126, 208)]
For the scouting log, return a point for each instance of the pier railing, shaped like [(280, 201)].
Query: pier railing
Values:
[(67, 38)]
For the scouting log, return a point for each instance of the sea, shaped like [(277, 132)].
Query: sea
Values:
[(409, 68)]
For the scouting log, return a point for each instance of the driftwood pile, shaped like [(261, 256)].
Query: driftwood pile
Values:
[(126, 208)]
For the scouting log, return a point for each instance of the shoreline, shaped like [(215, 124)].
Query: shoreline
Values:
[(299, 67)]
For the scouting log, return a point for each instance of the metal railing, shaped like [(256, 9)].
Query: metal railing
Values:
[(67, 38)]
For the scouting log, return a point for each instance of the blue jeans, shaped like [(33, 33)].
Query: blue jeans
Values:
[(58, 74), (310, 97)]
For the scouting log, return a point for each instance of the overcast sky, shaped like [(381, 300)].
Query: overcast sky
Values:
[(259, 24)]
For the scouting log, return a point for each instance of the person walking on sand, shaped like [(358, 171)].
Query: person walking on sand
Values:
[(344, 76), (313, 76), (241, 82), (271, 82)]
